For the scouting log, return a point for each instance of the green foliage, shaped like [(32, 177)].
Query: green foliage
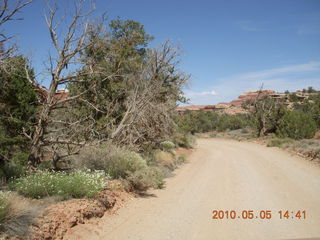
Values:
[(146, 178), (121, 163), (16, 167), (296, 125), (200, 121), (4, 205), (167, 145), (195, 122), (266, 113), (181, 159), (232, 122), (184, 140), (77, 184), (129, 38), (311, 90), (117, 162), (293, 97), (18, 106), (125, 163), (312, 107), (124, 68)]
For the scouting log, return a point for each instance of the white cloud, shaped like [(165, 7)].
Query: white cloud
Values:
[(286, 70), (204, 97), (201, 94)]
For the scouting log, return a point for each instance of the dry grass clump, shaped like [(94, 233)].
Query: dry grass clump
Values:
[(184, 140), (280, 142), (21, 214), (165, 159), (143, 179), (4, 205), (18, 205), (168, 160), (307, 147)]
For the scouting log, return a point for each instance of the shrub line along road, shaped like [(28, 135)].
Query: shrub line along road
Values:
[(223, 175)]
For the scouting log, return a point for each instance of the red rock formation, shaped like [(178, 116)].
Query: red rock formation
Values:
[(232, 107)]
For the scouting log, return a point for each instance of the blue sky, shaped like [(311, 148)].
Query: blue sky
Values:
[(228, 47)]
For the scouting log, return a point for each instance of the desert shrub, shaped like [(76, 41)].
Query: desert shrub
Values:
[(244, 131), (232, 122), (117, 162), (4, 205), (38, 185), (184, 140), (279, 142), (167, 145), (76, 184), (164, 159), (124, 163), (81, 184), (312, 107), (143, 179), (16, 167), (305, 146), (181, 159), (296, 125), (94, 158), (265, 114), (195, 122), (213, 135), (200, 122)]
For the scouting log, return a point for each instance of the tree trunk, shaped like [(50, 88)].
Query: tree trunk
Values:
[(36, 152)]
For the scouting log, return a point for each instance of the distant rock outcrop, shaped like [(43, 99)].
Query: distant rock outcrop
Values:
[(235, 106)]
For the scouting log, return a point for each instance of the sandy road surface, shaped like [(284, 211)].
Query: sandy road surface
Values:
[(226, 175)]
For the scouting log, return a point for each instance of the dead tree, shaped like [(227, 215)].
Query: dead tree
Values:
[(58, 134), (266, 112), (8, 11), (152, 102)]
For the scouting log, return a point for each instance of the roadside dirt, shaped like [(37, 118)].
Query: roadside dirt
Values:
[(222, 175), (59, 218)]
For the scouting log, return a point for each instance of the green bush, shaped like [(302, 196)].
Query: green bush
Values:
[(143, 179), (77, 184), (296, 125), (181, 159), (200, 122), (232, 122), (117, 162), (184, 140), (167, 145), (124, 163), (12, 170), (4, 205), (312, 107), (18, 106), (16, 167)]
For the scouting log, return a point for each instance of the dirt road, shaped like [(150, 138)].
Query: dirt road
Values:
[(223, 175)]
